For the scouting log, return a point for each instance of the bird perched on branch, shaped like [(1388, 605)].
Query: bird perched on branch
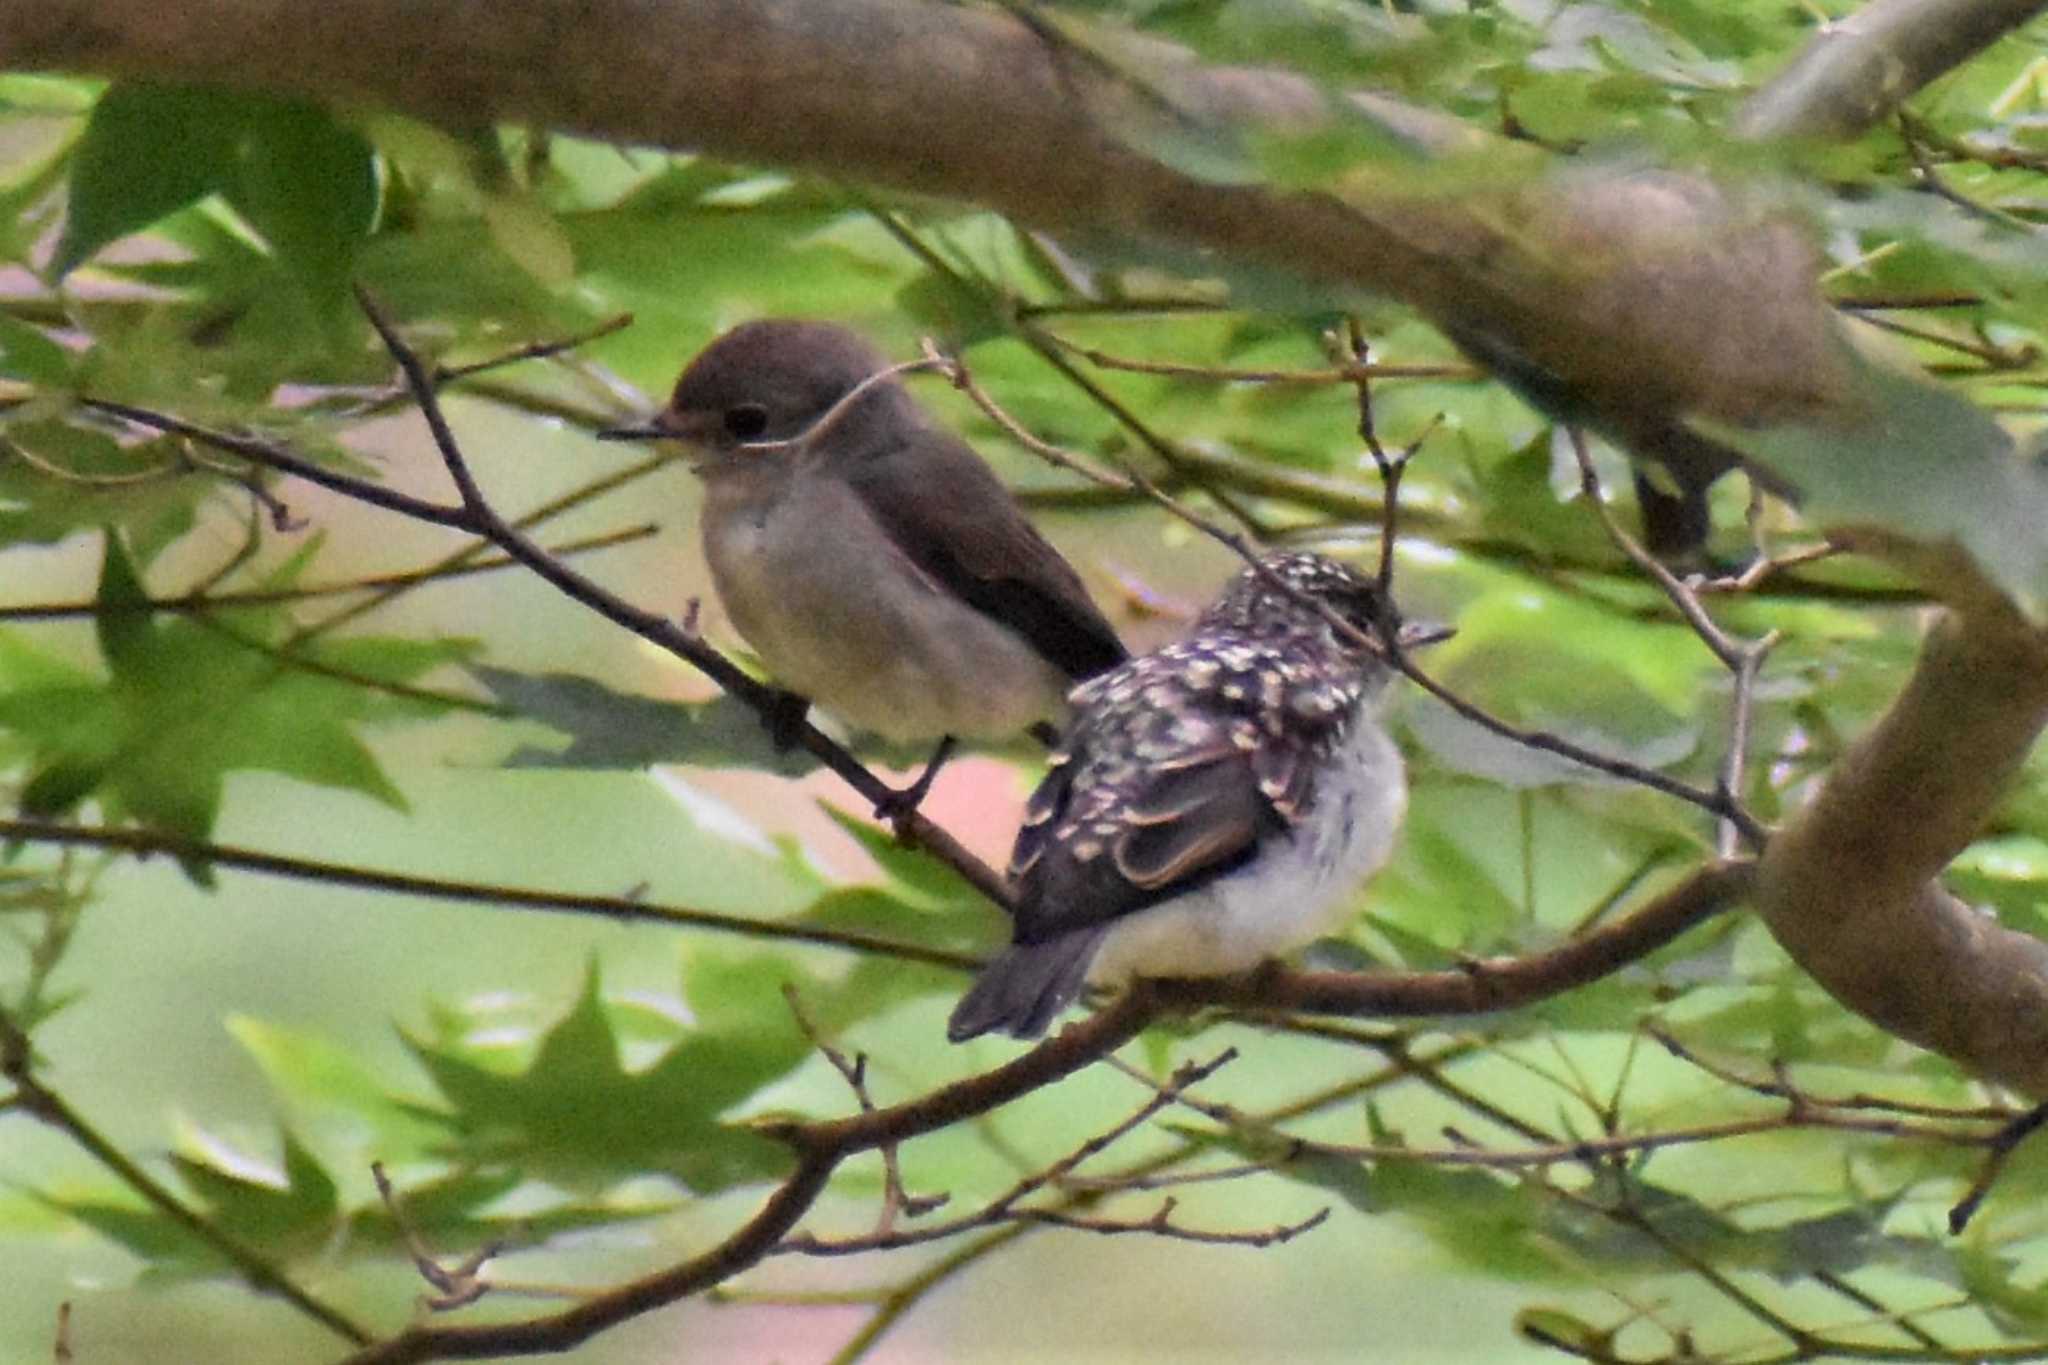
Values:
[(1212, 804), (867, 555), (1675, 516)]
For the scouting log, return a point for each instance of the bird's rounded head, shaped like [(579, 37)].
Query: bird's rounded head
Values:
[(1281, 596), (783, 380)]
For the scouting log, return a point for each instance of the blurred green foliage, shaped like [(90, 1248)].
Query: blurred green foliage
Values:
[(194, 251)]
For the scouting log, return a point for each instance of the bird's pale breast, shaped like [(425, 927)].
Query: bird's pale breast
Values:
[(1295, 890), (840, 616)]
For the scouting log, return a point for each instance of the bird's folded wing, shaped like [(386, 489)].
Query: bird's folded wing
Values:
[(953, 518), (1178, 825)]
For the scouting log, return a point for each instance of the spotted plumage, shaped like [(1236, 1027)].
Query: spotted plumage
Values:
[(1210, 805)]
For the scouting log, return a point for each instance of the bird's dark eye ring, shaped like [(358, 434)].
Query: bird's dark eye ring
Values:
[(746, 421)]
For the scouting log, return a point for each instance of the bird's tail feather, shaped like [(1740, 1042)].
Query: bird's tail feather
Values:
[(1021, 991)]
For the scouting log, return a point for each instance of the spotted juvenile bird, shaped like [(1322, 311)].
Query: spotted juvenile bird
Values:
[(867, 555), (1213, 804)]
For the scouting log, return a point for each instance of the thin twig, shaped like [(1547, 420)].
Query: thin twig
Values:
[(205, 599), (1740, 658), (1778, 1087), (1223, 374), (456, 1286), (1051, 350), (1741, 704), (1391, 467), (1680, 596), (1763, 566), (1465, 1153), (476, 551), (2003, 1144), (274, 456), (854, 1071), (146, 842), (1006, 1207), (536, 350)]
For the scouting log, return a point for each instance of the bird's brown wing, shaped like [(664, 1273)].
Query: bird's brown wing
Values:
[(951, 516), (1172, 827)]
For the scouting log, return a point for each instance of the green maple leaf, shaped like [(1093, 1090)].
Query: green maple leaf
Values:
[(189, 699), (577, 1116)]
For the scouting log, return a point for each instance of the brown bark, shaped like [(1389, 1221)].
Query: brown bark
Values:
[(1583, 274)]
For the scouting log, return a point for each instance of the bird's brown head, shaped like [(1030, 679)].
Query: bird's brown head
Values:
[(780, 380)]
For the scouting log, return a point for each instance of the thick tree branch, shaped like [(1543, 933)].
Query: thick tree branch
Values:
[(976, 105), (1847, 885), (1579, 275), (1859, 69)]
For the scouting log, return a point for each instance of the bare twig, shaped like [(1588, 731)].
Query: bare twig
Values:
[(1749, 662), (1223, 374), (144, 842), (1680, 596), (2003, 1144), (535, 350), (1992, 358), (455, 1286), (1742, 659), (1466, 1153), (476, 551), (1936, 184), (1008, 1206), (1780, 1087), (1763, 566), (1391, 467), (854, 1071), (1161, 1224)]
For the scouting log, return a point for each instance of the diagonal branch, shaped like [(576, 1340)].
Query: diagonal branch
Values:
[(559, 1332), (475, 515), (821, 1145), (1857, 70), (31, 1096)]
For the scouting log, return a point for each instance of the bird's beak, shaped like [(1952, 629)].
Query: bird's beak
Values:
[(650, 430), (696, 430), (1416, 634), (694, 426)]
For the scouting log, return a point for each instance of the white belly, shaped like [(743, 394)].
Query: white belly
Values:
[(839, 616), (1302, 885)]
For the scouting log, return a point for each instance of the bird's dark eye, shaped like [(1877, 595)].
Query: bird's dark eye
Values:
[(745, 422)]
